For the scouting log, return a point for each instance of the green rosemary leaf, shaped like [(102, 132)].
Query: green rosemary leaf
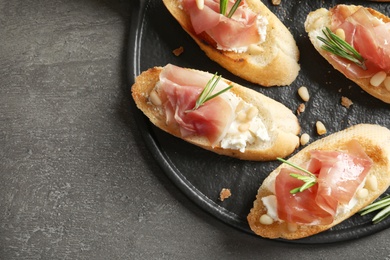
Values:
[(218, 93), (296, 190), (234, 8), (295, 166), (307, 185), (384, 213), (309, 180), (206, 93), (223, 6), (383, 205), (304, 178), (376, 205), (334, 44)]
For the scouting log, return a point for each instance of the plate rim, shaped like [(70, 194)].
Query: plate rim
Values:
[(199, 199)]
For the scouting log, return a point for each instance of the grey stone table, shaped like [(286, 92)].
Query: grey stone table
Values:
[(76, 179)]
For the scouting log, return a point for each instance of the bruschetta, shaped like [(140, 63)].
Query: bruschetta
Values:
[(239, 122), (368, 32), (338, 175), (252, 44)]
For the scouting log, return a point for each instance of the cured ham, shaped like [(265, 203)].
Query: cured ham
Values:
[(229, 33), (339, 174), (179, 89), (368, 35)]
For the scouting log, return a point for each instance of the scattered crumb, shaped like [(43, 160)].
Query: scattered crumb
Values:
[(224, 194), (178, 51), (276, 2), (321, 130), (346, 102), (301, 108)]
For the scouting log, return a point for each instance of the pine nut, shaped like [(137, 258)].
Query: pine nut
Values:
[(251, 113), (340, 33), (387, 83), (200, 4), (239, 106), (305, 139), (304, 93), (243, 127), (362, 193), (292, 227), (320, 128), (371, 182), (154, 98), (266, 220), (241, 116), (378, 78)]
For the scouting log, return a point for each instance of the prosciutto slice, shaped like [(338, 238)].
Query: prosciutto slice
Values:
[(368, 35), (229, 33), (339, 175), (180, 88)]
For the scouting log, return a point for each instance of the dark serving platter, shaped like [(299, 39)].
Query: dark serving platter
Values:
[(201, 174)]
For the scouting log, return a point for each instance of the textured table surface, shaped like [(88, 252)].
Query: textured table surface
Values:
[(76, 179)]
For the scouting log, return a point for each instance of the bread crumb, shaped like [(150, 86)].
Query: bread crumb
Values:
[(301, 108), (224, 194), (321, 130), (178, 51), (346, 102), (276, 2)]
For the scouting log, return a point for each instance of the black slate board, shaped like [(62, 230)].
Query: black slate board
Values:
[(201, 174)]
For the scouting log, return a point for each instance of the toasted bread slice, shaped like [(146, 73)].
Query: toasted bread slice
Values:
[(317, 20), (375, 141), (281, 124), (271, 63)]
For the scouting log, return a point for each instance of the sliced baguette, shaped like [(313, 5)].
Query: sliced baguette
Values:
[(316, 21), (282, 125), (374, 139), (275, 61)]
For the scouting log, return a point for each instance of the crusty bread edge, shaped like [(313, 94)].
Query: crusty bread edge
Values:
[(375, 140), (318, 20), (281, 123), (280, 51)]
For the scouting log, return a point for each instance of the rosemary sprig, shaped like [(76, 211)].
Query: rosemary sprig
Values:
[(340, 47), (234, 8), (206, 93), (309, 180), (383, 205), (223, 7)]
